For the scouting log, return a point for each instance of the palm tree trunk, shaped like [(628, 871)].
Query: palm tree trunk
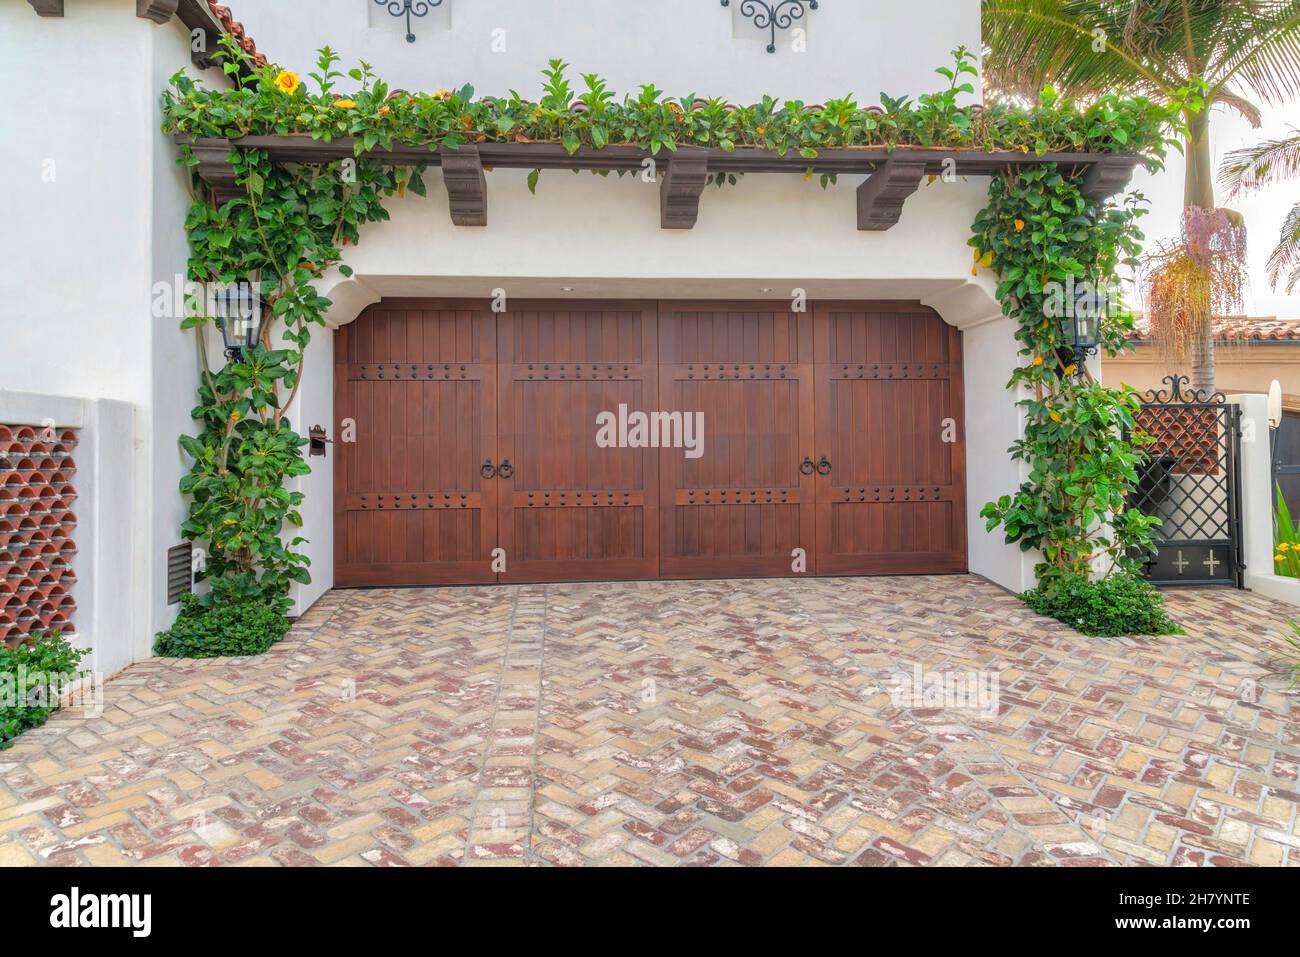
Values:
[(1198, 185), (1198, 192)]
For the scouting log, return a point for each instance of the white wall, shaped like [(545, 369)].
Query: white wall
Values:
[(314, 406), (993, 423), (95, 208), (682, 46), (175, 363)]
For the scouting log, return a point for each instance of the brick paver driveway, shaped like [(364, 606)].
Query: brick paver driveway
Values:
[(680, 723)]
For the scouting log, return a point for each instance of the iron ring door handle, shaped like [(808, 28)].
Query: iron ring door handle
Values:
[(505, 469), (824, 466), (487, 471), (807, 468)]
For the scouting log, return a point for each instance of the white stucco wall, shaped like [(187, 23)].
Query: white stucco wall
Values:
[(682, 46), (96, 210)]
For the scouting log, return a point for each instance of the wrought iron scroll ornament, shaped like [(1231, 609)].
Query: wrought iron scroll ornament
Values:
[(777, 15), (408, 9), (1176, 394)]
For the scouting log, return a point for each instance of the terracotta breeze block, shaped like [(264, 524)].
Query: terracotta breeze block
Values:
[(36, 531)]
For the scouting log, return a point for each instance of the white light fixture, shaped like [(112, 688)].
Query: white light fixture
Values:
[(1274, 404)]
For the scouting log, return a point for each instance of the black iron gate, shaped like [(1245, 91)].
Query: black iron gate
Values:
[(1190, 480)]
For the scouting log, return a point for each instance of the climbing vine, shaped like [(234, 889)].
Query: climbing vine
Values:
[(290, 223), (1080, 444)]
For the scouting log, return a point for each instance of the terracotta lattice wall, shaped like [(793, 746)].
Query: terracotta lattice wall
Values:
[(36, 531)]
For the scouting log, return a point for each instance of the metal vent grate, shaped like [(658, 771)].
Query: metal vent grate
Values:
[(180, 574)]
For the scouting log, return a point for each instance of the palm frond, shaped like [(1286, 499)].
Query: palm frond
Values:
[(1156, 47), (1242, 105), (1082, 47), (1271, 161), (1263, 51), (1284, 261)]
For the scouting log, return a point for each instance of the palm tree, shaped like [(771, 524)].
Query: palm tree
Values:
[(1255, 167), (1227, 48)]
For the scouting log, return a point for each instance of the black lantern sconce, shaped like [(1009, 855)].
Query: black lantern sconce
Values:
[(408, 9), (1081, 324), (238, 309), (773, 16)]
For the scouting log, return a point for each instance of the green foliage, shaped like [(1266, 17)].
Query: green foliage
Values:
[(26, 675), (1080, 442), (591, 115), (1286, 541), (226, 628), (1120, 604), (287, 229)]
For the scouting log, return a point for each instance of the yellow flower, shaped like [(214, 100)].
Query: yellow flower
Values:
[(288, 82), (1279, 558), (442, 95), (1020, 224), (227, 521), (1038, 360), (1284, 546), (760, 130), (346, 104), (1069, 370), (1055, 416), (234, 416)]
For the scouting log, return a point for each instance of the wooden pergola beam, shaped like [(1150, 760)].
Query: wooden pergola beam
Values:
[(893, 175)]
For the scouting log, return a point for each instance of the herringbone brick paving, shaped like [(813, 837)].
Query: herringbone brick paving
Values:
[(699, 723)]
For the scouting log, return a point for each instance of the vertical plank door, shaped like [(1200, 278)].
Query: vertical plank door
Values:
[(744, 506), (416, 381), (891, 491), (570, 510)]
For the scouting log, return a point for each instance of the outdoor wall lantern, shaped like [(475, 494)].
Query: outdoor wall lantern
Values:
[(238, 307), (1081, 325), (777, 15), (408, 9)]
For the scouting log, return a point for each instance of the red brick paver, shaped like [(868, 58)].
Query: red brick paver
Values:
[(745, 722)]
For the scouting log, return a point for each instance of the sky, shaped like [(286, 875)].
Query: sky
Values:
[(1264, 211)]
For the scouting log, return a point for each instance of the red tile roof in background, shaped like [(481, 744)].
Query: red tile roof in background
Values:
[(236, 30), (1242, 329)]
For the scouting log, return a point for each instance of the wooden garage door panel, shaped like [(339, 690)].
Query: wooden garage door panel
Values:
[(418, 380), (571, 510), (743, 506), (437, 388), (889, 412)]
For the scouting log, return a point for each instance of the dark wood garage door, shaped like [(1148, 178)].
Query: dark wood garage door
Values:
[(833, 436), (744, 505), (415, 390), (568, 509)]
